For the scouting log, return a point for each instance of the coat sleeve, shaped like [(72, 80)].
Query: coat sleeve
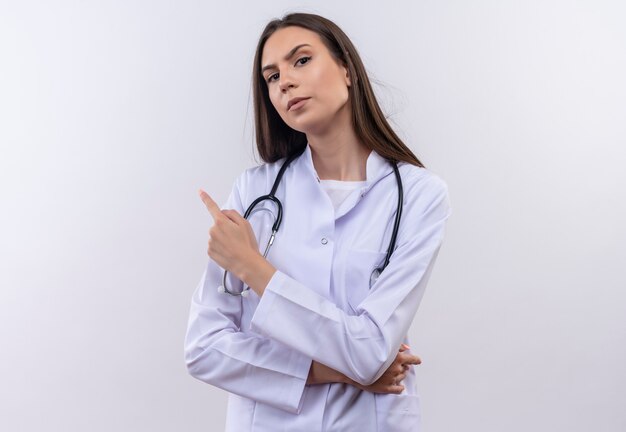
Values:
[(219, 353), (364, 345)]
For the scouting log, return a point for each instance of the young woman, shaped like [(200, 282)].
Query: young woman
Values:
[(311, 334)]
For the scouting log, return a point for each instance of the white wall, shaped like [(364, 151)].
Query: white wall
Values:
[(113, 114)]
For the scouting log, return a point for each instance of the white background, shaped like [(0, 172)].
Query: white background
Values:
[(114, 113)]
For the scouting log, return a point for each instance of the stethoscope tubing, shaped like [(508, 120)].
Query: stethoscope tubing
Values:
[(279, 217)]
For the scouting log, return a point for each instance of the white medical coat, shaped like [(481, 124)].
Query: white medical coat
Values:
[(318, 305)]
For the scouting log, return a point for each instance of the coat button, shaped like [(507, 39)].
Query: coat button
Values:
[(324, 241)]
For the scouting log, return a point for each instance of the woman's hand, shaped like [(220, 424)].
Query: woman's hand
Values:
[(389, 382), (231, 240), (233, 246)]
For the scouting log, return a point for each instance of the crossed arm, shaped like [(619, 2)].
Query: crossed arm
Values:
[(233, 245), (389, 382)]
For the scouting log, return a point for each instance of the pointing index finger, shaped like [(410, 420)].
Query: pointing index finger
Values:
[(213, 208)]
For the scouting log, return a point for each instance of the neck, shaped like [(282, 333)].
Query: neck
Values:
[(339, 155)]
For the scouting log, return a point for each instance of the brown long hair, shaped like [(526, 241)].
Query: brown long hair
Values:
[(275, 139)]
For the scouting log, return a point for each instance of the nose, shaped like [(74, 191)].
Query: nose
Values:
[(286, 82)]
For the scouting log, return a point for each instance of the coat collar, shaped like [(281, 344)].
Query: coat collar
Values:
[(376, 168)]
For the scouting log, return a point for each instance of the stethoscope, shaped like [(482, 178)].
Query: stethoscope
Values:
[(279, 217)]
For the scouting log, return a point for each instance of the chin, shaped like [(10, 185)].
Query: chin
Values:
[(309, 125), (302, 126)]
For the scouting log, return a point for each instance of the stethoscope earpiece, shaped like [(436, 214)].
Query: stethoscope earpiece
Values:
[(221, 289)]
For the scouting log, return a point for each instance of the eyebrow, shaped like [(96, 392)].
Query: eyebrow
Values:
[(287, 57)]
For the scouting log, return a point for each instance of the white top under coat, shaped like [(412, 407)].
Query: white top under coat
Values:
[(318, 305), (338, 190)]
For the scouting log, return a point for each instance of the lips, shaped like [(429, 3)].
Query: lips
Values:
[(295, 101)]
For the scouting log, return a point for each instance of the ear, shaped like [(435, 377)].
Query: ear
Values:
[(347, 76)]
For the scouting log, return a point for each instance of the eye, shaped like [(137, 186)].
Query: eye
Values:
[(303, 60), (300, 61)]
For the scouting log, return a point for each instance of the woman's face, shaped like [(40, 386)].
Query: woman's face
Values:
[(296, 65)]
